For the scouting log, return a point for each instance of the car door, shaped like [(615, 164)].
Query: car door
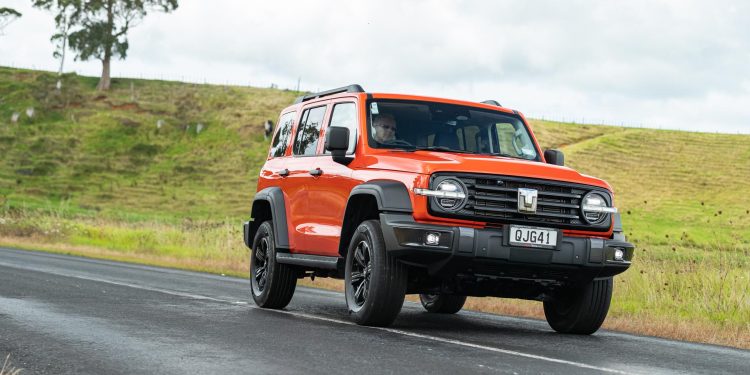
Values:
[(304, 149), (285, 171), (329, 189)]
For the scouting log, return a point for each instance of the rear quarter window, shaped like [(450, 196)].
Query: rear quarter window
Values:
[(280, 141)]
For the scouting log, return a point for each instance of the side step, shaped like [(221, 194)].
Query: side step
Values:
[(310, 261)]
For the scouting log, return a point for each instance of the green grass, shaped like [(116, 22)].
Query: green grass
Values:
[(104, 154), (92, 174), (675, 186)]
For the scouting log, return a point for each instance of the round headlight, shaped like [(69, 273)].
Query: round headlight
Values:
[(593, 207), (450, 186)]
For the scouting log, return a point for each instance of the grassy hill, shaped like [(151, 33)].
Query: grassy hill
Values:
[(127, 175), (136, 148)]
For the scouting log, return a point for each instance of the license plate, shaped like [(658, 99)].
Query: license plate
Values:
[(533, 237)]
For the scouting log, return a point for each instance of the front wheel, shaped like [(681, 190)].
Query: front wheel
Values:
[(442, 303), (580, 310), (272, 284), (375, 282)]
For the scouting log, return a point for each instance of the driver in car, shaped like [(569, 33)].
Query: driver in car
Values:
[(384, 126)]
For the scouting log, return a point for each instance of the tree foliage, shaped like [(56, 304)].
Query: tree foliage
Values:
[(7, 15), (9, 12), (98, 28)]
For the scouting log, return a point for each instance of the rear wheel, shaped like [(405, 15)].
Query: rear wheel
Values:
[(375, 282), (442, 303), (272, 283), (580, 310)]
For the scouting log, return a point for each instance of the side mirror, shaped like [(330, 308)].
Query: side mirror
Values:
[(337, 142), (555, 157)]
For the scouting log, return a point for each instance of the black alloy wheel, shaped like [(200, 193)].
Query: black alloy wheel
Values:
[(260, 269), (374, 281), (361, 272), (272, 284)]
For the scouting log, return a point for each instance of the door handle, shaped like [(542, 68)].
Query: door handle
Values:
[(284, 172), (316, 172)]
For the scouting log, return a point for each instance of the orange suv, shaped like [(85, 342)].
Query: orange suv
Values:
[(401, 194)]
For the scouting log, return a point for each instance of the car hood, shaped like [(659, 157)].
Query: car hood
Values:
[(429, 162)]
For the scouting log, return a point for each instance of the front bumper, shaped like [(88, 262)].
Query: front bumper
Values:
[(487, 252)]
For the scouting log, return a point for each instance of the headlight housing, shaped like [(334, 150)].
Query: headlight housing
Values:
[(449, 194), (596, 208)]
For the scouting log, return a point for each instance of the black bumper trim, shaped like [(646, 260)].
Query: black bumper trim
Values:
[(471, 250)]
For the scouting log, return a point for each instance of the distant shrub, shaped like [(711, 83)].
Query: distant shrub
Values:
[(44, 90), (188, 107), (144, 149), (142, 153)]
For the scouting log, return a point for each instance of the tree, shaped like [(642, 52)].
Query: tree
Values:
[(98, 28), (7, 15)]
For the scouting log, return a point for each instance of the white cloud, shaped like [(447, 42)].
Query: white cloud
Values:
[(670, 64)]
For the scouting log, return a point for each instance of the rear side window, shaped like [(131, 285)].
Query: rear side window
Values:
[(345, 116), (308, 132), (281, 140)]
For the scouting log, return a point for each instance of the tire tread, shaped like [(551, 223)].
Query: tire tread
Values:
[(384, 304), (283, 281), (590, 307)]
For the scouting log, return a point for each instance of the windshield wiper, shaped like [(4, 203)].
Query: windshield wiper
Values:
[(441, 148), (501, 154), (506, 155)]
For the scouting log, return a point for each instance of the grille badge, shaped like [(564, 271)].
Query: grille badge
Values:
[(527, 201)]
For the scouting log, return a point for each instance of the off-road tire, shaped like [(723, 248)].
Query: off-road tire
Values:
[(580, 310), (280, 279), (442, 303), (381, 300)]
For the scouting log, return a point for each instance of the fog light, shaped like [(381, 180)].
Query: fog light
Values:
[(432, 238), (619, 254)]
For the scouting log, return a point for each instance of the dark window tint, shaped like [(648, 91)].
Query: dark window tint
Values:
[(345, 116), (308, 132), (281, 140)]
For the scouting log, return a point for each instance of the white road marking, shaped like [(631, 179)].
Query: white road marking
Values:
[(451, 341), (330, 320)]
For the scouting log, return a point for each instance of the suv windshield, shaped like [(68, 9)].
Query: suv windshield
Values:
[(419, 125)]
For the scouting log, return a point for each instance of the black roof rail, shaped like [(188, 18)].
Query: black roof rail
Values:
[(491, 102), (350, 88)]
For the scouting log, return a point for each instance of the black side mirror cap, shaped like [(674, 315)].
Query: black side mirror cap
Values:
[(555, 157), (337, 142), (337, 139)]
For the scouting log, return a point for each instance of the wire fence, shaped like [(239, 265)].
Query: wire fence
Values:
[(160, 77), (260, 84)]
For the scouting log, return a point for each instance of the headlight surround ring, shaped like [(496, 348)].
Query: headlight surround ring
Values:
[(451, 187), (596, 207)]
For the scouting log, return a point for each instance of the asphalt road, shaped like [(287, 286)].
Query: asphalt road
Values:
[(62, 314)]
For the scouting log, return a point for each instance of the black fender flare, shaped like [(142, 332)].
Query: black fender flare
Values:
[(274, 197), (391, 195)]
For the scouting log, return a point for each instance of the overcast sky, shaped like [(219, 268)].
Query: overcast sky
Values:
[(663, 64)]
